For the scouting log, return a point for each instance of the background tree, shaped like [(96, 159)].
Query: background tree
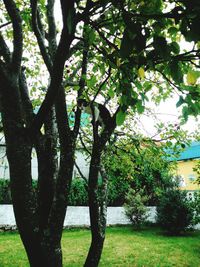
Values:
[(122, 53), (142, 162)]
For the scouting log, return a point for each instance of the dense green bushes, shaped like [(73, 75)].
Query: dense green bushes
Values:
[(78, 195), (5, 195), (175, 212)]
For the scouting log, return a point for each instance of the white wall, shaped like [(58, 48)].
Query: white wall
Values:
[(76, 216)]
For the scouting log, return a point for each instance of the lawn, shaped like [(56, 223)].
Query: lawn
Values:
[(123, 247)]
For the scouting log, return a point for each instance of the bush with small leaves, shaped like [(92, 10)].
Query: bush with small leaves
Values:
[(135, 208)]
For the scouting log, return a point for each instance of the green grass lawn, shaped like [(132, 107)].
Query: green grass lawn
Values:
[(123, 247)]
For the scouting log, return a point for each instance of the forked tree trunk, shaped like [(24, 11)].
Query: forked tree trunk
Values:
[(40, 233)]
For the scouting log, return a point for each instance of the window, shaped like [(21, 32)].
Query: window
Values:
[(191, 177)]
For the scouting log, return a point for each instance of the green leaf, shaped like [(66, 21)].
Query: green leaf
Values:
[(172, 31), (175, 48), (120, 118), (180, 101), (140, 107), (176, 72), (185, 113), (91, 83), (91, 36), (111, 93)]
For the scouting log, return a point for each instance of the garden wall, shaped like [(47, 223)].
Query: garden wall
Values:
[(76, 216)]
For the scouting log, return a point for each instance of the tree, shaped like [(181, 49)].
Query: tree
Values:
[(140, 163), (117, 52)]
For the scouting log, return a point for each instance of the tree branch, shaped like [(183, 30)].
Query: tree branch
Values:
[(17, 33), (27, 105), (82, 81), (61, 55), (4, 50), (5, 24), (80, 172), (40, 38), (102, 84), (52, 27)]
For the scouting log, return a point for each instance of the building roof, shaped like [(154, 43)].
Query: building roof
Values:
[(190, 152)]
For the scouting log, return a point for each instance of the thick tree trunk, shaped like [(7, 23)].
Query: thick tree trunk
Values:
[(95, 251), (42, 241)]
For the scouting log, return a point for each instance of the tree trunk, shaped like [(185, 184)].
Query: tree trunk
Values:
[(97, 217), (41, 236)]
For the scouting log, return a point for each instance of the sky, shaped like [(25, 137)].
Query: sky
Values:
[(168, 113)]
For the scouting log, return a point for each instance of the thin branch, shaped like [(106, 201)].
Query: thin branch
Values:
[(39, 36), (84, 146), (5, 24), (80, 172), (102, 84), (82, 81), (109, 43), (170, 82)]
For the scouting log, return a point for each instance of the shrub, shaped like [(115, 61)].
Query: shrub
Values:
[(174, 212), (78, 193), (5, 195), (117, 189), (135, 208), (195, 202)]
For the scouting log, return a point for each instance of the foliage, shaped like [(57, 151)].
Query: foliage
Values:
[(139, 165), (135, 207), (197, 170), (195, 203), (78, 195), (117, 189), (5, 194), (174, 212)]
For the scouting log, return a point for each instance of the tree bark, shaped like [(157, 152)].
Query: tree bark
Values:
[(98, 203), (98, 232)]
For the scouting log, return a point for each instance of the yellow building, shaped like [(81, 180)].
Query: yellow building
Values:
[(185, 167)]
